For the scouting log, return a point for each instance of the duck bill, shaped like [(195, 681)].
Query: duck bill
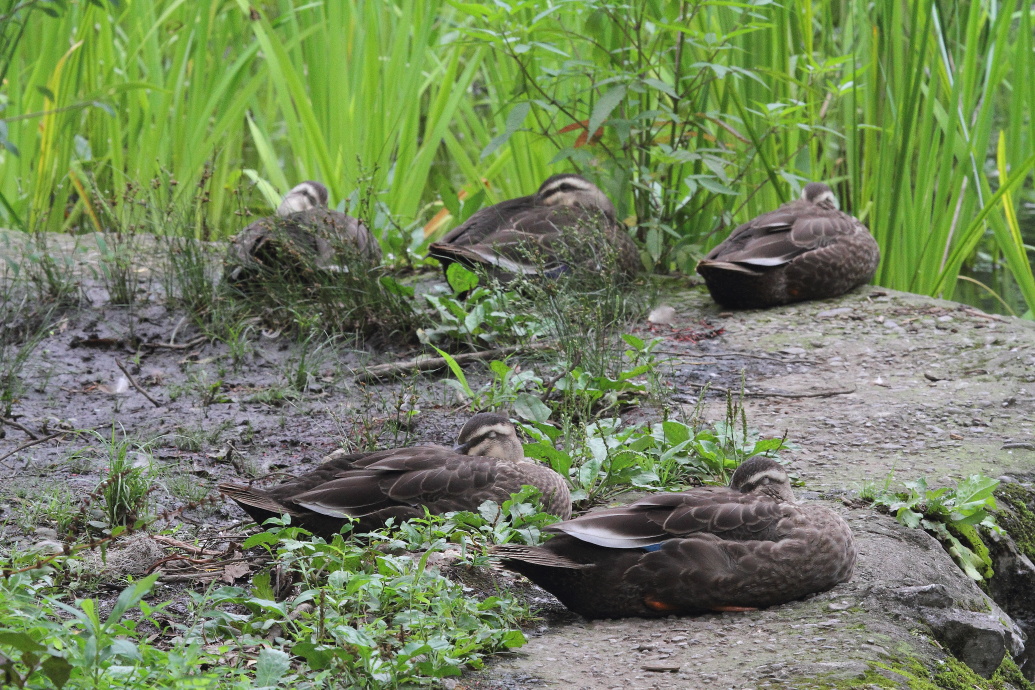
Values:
[(462, 448)]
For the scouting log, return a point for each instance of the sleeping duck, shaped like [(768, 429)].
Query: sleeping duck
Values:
[(711, 549), (569, 224), (806, 249), (302, 238), (488, 463)]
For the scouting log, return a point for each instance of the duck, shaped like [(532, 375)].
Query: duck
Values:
[(742, 547), (487, 464), (303, 237), (568, 224), (805, 250)]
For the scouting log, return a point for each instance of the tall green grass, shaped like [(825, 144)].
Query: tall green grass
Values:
[(919, 113), (209, 92), (694, 115)]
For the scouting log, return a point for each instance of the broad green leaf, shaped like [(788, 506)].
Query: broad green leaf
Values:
[(21, 641), (530, 407), (270, 667), (461, 279), (676, 432), (57, 669)]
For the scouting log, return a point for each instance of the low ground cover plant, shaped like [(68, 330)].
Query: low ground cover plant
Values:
[(955, 515)]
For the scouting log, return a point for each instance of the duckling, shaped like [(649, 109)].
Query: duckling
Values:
[(806, 249), (488, 463), (711, 549), (304, 236), (568, 224)]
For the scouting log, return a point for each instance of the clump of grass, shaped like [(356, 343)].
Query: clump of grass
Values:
[(125, 491)]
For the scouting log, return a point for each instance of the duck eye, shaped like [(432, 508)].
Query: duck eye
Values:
[(765, 480)]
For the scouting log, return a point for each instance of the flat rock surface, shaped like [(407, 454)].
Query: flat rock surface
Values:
[(869, 386)]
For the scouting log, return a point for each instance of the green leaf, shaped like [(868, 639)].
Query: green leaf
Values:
[(558, 460), (271, 667), (676, 432), (395, 287), (633, 342), (604, 106), (515, 119), (528, 406), (975, 489), (908, 517), (21, 641), (457, 371), (261, 586), (318, 657), (512, 639), (260, 538), (57, 669), (461, 279), (130, 596)]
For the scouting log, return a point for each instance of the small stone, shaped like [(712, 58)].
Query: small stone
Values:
[(932, 596), (661, 667), (662, 315)]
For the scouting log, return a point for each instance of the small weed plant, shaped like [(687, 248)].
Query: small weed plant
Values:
[(956, 516), (365, 614), (477, 316), (606, 457)]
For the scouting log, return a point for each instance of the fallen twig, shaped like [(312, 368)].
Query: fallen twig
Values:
[(770, 394), (11, 423), (198, 340), (425, 363), (29, 444), (136, 385), (169, 541), (729, 354)]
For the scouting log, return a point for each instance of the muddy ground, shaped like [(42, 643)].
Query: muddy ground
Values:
[(877, 382)]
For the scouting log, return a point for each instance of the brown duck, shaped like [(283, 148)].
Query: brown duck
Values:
[(304, 237), (488, 463), (743, 547), (806, 249), (567, 225)]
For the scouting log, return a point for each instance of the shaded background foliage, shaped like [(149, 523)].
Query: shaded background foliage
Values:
[(693, 115)]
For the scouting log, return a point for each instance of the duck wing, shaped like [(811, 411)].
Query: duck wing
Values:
[(403, 483), (546, 240), (485, 221), (724, 513), (776, 238)]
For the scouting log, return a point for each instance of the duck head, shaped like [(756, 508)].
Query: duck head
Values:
[(819, 194), (568, 189), (761, 475), (490, 435), (302, 197)]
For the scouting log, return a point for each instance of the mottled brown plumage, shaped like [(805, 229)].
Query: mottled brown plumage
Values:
[(487, 464), (806, 249), (304, 238), (566, 226), (747, 546)]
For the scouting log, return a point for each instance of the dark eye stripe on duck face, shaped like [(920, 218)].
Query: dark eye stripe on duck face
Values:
[(490, 433), (763, 479), (564, 189)]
